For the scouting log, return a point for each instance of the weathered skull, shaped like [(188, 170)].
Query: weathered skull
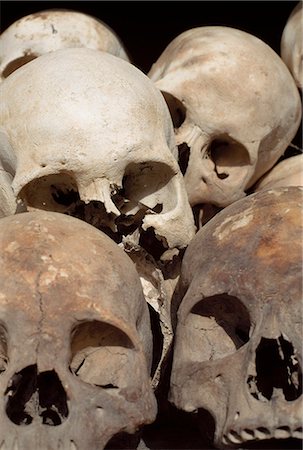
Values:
[(288, 172), (235, 107), (292, 44), (75, 336), (97, 144), (238, 349), (50, 30)]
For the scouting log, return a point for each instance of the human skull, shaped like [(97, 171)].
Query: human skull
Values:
[(76, 343), (97, 144), (292, 44), (235, 107), (50, 30), (238, 348), (288, 172)]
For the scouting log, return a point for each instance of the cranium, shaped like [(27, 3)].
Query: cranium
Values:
[(235, 107), (292, 44), (238, 348), (50, 30), (76, 343), (288, 172), (98, 144)]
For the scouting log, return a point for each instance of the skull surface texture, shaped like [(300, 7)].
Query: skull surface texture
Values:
[(292, 44), (238, 349), (235, 107), (76, 343), (50, 30), (97, 144), (288, 172)]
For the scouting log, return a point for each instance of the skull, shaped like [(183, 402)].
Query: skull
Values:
[(235, 108), (75, 369), (292, 46), (97, 144), (289, 172), (50, 30), (238, 349)]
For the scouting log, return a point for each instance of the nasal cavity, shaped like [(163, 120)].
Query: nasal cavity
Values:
[(33, 396), (278, 371)]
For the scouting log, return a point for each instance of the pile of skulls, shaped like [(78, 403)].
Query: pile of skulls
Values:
[(150, 239)]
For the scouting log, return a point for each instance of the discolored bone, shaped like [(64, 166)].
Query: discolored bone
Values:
[(76, 369), (50, 30), (238, 346)]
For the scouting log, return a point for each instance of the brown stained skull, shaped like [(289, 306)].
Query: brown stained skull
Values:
[(238, 348), (76, 343)]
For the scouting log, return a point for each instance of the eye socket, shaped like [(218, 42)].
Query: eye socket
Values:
[(176, 108), (148, 183), (16, 63), (56, 192), (217, 326), (227, 154), (101, 355)]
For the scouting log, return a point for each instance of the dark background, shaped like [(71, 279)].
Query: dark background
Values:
[(146, 27)]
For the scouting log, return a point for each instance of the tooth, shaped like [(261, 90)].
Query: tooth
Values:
[(72, 446), (234, 437), (282, 433), (236, 416), (298, 433), (247, 435), (262, 433)]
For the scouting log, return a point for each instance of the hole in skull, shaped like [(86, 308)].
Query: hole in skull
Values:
[(217, 326), (226, 153), (102, 355), (176, 108), (183, 157), (149, 241), (32, 395), (278, 371), (16, 63), (64, 197)]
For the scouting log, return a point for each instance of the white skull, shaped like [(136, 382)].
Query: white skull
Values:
[(292, 44), (238, 347), (50, 30), (235, 107), (288, 172), (97, 144), (76, 344)]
